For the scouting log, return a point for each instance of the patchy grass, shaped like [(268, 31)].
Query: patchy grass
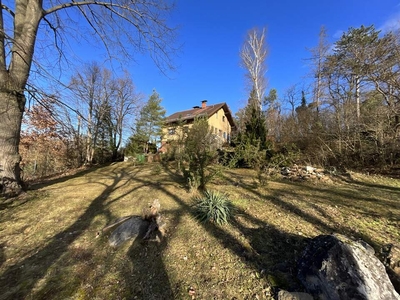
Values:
[(49, 250)]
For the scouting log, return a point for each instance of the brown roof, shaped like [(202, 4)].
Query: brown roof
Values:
[(209, 110)]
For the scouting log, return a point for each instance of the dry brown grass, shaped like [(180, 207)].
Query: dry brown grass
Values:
[(48, 248)]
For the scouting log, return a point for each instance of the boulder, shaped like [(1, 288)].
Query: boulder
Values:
[(335, 267)]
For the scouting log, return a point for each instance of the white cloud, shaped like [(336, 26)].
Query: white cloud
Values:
[(338, 34)]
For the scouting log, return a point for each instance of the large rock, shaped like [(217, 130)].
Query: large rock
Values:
[(335, 267), (129, 229)]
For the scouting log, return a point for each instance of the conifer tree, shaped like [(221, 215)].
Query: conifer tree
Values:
[(149, 126), (255, 127)]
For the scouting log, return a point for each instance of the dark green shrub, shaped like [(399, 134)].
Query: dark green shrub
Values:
[(213, 207), (199, 155)]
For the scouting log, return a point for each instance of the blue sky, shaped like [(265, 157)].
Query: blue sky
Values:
[(213, 31)]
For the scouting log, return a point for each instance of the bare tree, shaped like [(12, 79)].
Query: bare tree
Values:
[(318, 56), (94, 88), (292, 96), (106, 104), (128, 26), (254, 54), (126, 103)]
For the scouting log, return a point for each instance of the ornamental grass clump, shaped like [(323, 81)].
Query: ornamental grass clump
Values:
[(213, 207)]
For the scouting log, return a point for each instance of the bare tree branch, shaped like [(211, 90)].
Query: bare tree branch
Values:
[(254, 54)]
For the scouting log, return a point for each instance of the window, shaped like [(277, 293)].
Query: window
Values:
[(171, 131), (223, 118), (220, 132), (224, 135)]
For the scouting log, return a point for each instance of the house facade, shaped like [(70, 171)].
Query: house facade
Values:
[(219, 118)]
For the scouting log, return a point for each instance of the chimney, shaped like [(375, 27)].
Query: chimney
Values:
[(204, 104)]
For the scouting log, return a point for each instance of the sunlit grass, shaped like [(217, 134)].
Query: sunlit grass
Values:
[(49, 249)]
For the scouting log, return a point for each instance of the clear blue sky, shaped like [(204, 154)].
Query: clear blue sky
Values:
[(213, 31)]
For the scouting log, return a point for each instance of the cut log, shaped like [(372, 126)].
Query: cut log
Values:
[(113, 225), (130, 229)]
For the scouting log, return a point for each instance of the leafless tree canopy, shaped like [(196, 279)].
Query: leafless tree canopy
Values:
[(254, 54)]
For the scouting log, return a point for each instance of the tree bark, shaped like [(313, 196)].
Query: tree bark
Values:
[(11, 112), (13, 80)]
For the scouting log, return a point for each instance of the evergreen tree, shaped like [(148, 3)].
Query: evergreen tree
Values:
[(303, 100), (255, 131), (149, 126)]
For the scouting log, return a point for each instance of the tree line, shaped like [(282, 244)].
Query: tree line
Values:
[(348, 117)]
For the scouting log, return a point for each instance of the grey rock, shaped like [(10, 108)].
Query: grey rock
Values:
[(130, 229), (333, 267)]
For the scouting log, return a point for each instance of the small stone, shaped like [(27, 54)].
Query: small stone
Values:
[(285, 295)]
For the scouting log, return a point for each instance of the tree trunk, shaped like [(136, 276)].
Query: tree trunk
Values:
[(11, 112), (357, 79)]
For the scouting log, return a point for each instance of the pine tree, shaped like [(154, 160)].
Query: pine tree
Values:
[(149, 126), (255, 127)]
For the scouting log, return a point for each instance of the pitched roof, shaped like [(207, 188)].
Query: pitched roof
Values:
[(208, 111)]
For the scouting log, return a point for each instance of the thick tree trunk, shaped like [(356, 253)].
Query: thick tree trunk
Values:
[(11, 112)]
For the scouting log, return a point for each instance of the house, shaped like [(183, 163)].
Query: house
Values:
[(219, 118)]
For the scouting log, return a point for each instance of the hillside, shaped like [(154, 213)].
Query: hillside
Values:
[(49, 249)]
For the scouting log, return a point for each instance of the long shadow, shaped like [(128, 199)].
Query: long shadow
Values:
[(331, 196), (274, 252), (277, 198), (348, 179), (149, 278), (46, 182), (261, 258), (47, 256), (13, 202), (2, 256), (351, 199)]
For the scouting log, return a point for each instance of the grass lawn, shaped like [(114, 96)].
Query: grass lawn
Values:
[(49, 249)]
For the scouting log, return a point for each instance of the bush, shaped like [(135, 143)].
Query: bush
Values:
[(199, 155), (213, 207)]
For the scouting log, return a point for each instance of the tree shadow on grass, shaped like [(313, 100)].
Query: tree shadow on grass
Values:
[(148, 278), (33, 185), (2, 256), (18, 280), (272, 253)]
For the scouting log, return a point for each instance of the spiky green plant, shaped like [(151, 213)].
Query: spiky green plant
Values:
[(214, 207)]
